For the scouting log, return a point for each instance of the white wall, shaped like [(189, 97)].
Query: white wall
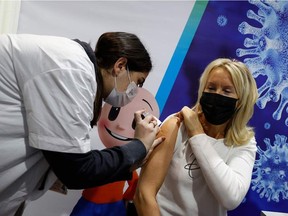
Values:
[(9, 15), (159, 25)]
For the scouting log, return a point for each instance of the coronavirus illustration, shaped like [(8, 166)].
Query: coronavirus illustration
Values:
[(266, 51), (222, 20), (270, 175)]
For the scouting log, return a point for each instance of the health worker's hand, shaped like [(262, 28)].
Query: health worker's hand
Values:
[(146, 130)]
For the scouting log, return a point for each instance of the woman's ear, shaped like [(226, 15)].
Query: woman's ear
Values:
[(119, 66)]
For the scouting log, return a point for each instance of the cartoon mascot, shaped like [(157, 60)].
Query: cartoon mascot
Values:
[(116, 127)]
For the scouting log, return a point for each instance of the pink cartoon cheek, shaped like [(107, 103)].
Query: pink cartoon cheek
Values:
[(102, 131)]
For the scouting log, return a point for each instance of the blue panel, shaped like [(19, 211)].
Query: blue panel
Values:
[(180, 53)]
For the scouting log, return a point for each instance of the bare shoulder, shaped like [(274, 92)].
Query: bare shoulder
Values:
[(170, 124)]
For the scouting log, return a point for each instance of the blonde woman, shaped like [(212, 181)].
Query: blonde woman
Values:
[(204, 166)]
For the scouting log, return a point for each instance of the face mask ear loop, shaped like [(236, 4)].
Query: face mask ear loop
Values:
[(128, 72), (115, 83)]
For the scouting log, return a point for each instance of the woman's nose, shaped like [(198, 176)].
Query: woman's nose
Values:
[(218, 91)]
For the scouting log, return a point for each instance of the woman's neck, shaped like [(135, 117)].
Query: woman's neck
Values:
[(215, 131)]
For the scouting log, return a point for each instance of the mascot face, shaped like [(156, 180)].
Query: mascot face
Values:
[(116, 125)]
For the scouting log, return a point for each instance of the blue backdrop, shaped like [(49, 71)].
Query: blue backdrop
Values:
[(255, 32)]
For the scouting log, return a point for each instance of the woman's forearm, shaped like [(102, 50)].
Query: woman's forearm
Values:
[(146, 205), (237, 171)]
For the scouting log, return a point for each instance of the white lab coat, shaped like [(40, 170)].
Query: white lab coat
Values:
[(47, 91)]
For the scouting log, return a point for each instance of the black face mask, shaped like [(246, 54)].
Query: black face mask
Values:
[(217, 108)]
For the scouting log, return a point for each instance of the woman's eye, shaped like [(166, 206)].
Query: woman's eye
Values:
[(211, 89), (229, 91)]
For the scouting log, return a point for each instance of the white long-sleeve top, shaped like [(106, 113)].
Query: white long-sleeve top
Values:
[(205, 176)]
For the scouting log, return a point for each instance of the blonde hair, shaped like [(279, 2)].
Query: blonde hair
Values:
[(237, 132)]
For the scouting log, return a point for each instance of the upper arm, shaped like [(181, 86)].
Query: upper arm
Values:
[(154, 171), (59, 107)]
